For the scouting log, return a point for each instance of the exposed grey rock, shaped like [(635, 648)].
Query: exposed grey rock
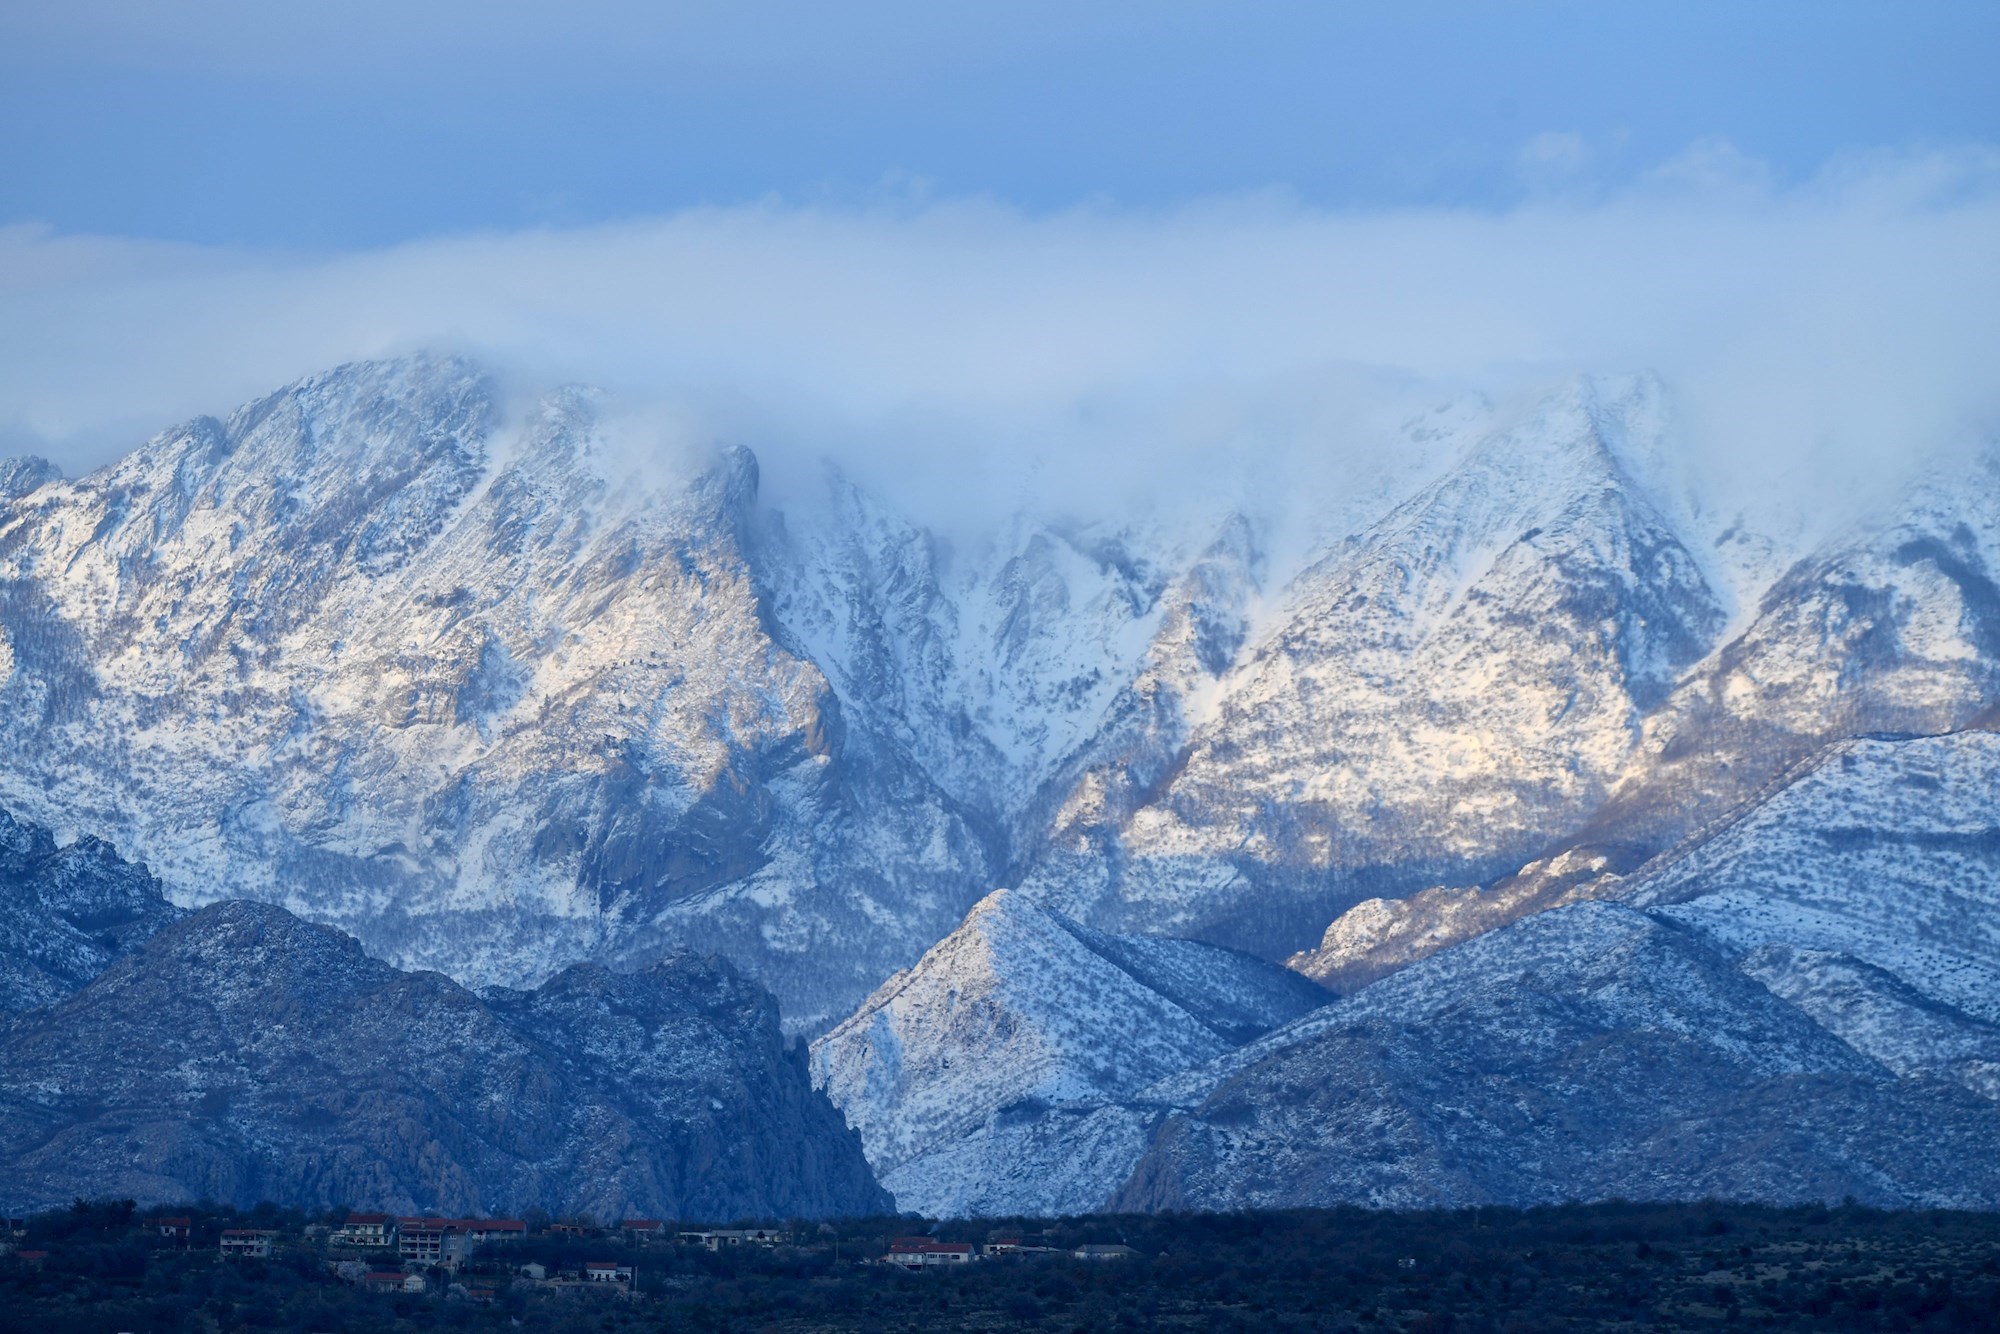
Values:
[(66, 913), (19, 476), (1440, 697), (242, 1054), (469, 687), (1587, 1052), (1377, 937)]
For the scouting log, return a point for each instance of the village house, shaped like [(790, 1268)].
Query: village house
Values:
[(427, 1240), (432, 1241), (637, 1230), (715, 1239), (174, 1229), (393, 1280), (479, 1231), (607, 1271), (253, 1242), (1096, 1252), (925, 1252), (374, 1231)]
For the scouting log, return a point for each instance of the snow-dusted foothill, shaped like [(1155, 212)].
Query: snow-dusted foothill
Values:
[(986, 1078), (1588, 1052), (1801, 1003)]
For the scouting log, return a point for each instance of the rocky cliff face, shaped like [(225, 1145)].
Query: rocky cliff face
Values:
[(242, 1054), (462, 686), (1441, 695), (66, 913)]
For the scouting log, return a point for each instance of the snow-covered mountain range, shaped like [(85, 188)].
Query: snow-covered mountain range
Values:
[(462, 677), (1801, 1006)]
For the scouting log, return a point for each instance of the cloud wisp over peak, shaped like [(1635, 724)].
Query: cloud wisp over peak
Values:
[(1831, 330)]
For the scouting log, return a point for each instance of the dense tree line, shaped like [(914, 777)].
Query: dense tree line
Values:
[(1570, 1267)]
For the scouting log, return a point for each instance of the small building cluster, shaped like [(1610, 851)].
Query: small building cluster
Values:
[(716, 1239), (929, 1252), (439, 1256)]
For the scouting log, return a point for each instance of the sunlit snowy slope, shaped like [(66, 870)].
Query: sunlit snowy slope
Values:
[(452, 671)]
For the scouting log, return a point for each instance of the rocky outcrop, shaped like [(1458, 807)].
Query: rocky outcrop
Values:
[(66, 913), (242, 1054)]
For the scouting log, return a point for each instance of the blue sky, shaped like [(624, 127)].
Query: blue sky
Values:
[(245, 122)]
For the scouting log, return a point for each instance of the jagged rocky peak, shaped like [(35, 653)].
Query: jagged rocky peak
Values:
[(243, 1054), (19, 476), (1890, 625), (487, 688), (1439, 698), (1007, 664), (67, 912), (1019, 1011)]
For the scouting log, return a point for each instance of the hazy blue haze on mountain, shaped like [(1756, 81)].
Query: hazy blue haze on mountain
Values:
[(243, 1055)]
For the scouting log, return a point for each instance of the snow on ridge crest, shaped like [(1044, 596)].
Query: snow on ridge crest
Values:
[(1022, 1008)]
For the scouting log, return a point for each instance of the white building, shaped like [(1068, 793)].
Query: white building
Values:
[(715, 1239), (253, 1242), (926, 1252), (373, 1231), (1094, 1252)]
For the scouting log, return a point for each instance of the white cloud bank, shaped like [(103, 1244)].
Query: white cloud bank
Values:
[(1824, 334)]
